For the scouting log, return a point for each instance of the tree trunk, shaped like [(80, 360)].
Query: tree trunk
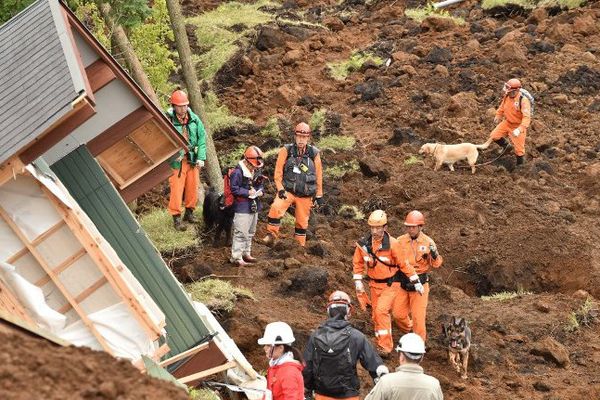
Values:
[(212, 166), (119, 37)]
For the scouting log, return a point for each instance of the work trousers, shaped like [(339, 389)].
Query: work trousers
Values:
[(280, 206), (382, 303), (322, 397), (414, 304), (185, 180), (244, 228), (504, 129)]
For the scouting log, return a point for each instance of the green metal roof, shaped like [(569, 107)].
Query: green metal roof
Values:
[(96, 195)]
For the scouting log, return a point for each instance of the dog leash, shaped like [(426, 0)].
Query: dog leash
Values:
[(485, 163)]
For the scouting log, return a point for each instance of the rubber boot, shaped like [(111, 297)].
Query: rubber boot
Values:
[(188, 216), (177, 223), (269, 239), (503, 143), (520, 160)]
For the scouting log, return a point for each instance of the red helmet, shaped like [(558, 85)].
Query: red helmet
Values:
[(179, 98), (302, 129), (254, 156), (414, 218), (512, 84)]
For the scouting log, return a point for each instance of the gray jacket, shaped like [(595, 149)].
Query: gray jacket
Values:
[(409, 382)]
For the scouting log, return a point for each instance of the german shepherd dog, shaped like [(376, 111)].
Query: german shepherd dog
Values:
[(457, 336)]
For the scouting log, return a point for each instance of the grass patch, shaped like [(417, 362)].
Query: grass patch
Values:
[(338, 171), (353, 212), (412, 160), (503, 296), (288, 220), (569, 4), (340, 70), (158, 224), (419, 14), (224, 30), (585, 316), (526, 4), (317, 119), (336, 142), (271, 128), (271, 152), (234, 156), (218, 295), (218, 115), (202, 394)]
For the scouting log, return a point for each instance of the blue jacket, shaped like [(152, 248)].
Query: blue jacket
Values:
[(240, 182)]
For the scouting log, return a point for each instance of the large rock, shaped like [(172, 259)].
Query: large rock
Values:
[(333, 23), (285, 95), (585, 25), (439, 55), (552, 351), (403, 135), (369, 90), (404, 58), (560, 32), (310, 280), (437, 24), (511, 52), (270, 38), (292, 57), (464, 103), (372, 166), (512, 36)]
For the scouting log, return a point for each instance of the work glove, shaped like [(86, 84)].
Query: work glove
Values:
[(319, 202), (382, 370), (361, 295), (359, 285), (516, 132), (308, 394), (200, 163), (281, 194), (497, 120), (417, 283), (433, 251)]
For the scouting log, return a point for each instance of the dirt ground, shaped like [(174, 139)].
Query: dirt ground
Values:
[(533, 229)]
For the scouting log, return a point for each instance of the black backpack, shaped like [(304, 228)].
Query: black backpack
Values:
[(333, 370)]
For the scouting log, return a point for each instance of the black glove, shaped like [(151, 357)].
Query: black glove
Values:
[(319, 201), (281, 194), (433, 251)]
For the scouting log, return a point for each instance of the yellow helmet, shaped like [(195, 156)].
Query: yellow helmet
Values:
[(377, 218)]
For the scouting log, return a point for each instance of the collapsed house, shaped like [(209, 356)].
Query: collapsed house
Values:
[(78, 140)]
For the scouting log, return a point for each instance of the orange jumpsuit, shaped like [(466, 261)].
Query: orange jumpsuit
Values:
[(303, 204), (514, 117), (383, 291), (184, 183), (415, 257)]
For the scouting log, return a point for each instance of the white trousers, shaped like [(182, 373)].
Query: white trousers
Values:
[(244, 228)]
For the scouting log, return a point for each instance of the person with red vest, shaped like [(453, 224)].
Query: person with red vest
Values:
[(513, 118), (284, 375), (299, 181), (377, 258), (419, 255)]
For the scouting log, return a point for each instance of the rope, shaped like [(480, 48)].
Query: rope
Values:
[(487, 162)]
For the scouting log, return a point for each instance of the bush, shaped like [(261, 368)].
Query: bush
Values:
[(419, 14), (412, 160), (271, 128), (341, 70), (234, 156), (338, 171), (218, 295), (336, 142), (585, 316), (158, 225), (317, 119)]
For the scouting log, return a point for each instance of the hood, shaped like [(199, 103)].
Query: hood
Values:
[(337, 323)]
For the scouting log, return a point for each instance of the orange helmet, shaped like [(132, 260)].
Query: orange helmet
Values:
[(377, 218), (302, 129), (512, 84), (414, 218), (179, 98), (254, 156)]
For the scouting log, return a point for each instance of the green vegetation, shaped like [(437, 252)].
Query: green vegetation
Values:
[(271, 152), (271, 128), (317, 119), (234, 156), (585, 316), (527, 4), (202, 394), (288, 220), (419, 14), (349, 211), (10, 8), (217, 294), (503, 296), (341, 70), (412, 160), (218, 115), (338, 171), (223, 31), (562, 3), (158, 224), (336, 142)]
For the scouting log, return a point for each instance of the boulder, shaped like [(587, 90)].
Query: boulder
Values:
[(560, 32), (404, 58), (284, 95), (439, 55), (511, 52), (292, 57), (464, 103), (403, 135), (333, 23), (585, 25), (437, 24), (552, 351), (441, 70), (270, 38), (512, 36), (570, 49), (369, 90), (310, 280), (372, 166)]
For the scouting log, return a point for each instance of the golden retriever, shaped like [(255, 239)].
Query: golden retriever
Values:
[(451, 153)]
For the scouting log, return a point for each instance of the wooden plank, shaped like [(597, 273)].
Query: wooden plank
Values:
[(118, 131), (110, 271), (147, 157), (61, 287), (81, 113), (17, 255), (30, 328), (10, 169), (208, 372), (62, 266), (124, 159), (185, 354), (48, 233), (99, 74), (146, 170), (85, 294), (11, 304), (154, 177), (152, 140), (110, 171)]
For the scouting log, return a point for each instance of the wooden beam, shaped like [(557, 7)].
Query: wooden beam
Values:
[(10, 169), (17, 255), (118, 131), (11, 304), (111, 171), (185, 354), (61, 287), (146, 170), (99, 74), (48, 233), (82, 112), (85, 294), (156, 175), (91, 244), (208, 372), (62, 266)]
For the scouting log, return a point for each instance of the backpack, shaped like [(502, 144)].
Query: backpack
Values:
[(226, 199), (333, 370), (525, 93)]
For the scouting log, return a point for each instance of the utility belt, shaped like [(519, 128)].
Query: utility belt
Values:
[(405, 283)]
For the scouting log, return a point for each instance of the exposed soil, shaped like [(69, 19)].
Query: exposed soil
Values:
[(533, 228), (33, 368)]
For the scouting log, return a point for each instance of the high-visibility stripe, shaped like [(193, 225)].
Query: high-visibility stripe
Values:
[(382, 332), (357, 276)]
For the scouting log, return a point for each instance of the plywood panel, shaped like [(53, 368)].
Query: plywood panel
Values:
[(152, 141), (59, 246), (123, 159)]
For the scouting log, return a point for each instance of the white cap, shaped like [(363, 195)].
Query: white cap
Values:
[(411, 343), (277, 333)]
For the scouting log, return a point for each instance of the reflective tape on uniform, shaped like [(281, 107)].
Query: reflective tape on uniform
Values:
[(367, 258), (357, 276), (383, 258), (382, 332)]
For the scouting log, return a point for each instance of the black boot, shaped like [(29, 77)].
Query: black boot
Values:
[(502, 142), (189, 216), (520, 160), (177, 223)]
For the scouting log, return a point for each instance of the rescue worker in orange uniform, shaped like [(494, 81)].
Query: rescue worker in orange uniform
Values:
[(513, 118), (377, 258), (419, 255), (185, 166), (299, 181)]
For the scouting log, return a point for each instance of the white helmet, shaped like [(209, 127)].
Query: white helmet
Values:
[(277, 333), (411, 343)]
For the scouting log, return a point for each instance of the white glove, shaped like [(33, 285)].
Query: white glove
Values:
[(516, 132), (359, 285), (418, 285), (497, 120), (382, 370), (200, 163)]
